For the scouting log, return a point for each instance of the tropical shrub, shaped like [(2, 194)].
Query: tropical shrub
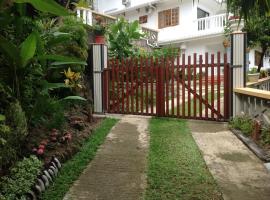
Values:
[(13, 128), (21, 179), (265, 135), (243, 123), (120, 37), (35, 48)]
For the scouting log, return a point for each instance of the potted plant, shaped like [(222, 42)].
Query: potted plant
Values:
[(253, 74), (236, 24), (99, 31)]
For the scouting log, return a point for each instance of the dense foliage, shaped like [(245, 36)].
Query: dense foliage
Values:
[(258, 34), (22, 177), (243, 123), (37, 46), (245, 8), (257, 22), (120, 37)]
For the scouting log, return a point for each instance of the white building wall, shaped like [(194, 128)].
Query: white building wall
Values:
[(266, 61)]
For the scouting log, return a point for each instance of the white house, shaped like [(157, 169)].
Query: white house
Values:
[(192, 26)]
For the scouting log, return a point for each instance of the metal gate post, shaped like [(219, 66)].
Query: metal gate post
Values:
[(238, 69), (99, 63)]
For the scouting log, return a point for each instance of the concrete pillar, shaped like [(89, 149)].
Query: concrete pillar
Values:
[(238, 68), (98, 64)]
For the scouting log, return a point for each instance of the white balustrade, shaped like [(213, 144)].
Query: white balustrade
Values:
[(86, 15), (212, 23)]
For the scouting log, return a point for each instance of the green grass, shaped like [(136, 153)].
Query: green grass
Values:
[(73, 168), (176, 169)]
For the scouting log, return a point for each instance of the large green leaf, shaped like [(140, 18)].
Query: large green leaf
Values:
[(58, 58), (73, 98), (48, 6), (69, 63), (2, 118), (28, 48), (51, 86), (58, 40), (9, 49)]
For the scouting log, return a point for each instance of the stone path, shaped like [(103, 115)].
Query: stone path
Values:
[(118, 170), (238, 172)]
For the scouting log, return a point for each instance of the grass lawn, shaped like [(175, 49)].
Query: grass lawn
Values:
[(176, 169), (73, 168)]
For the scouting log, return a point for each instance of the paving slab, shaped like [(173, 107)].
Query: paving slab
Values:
[(118, 171), (238, 172)]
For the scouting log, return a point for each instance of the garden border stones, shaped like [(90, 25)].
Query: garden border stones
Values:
[(45, 178), (259, 152)]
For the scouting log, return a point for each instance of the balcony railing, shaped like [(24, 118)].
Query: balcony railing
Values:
[(262, 84), (90, 17), (151, 36), (211, 23)]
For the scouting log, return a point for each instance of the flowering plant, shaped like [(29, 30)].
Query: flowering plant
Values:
[(72, 79)]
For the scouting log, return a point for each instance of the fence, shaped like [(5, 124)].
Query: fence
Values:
[(182, 86)]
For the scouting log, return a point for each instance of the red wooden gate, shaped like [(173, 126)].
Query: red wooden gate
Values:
[(192, 87)]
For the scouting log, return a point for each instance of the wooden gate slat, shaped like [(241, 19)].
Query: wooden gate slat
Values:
[(132, 84), (113, 80), (183, 83), (226, 88), (218, 83), (200, 86), (206, 84), (137, 88), (109, 85), (177, 88), (122, 86), (141, 83), (127, 85), (118, 86), (189, 85), (152, 96), (172, 85), (167, 86), (212, 84), (194, 84), (146, 84)]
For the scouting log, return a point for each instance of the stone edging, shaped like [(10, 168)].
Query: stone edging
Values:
[(259, 152)]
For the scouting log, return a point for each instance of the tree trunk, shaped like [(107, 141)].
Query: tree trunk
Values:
[(264, 49)]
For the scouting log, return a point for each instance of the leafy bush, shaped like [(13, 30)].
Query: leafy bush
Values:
[(22, 177), (120, 37), (48, 112), (243, 123), (263, 73), (265, 135), (13, 131)]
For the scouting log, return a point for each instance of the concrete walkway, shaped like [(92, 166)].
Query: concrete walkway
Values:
[(118, 170), (238, 172)]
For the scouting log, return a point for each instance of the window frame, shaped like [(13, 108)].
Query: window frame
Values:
[(143, 19), (168, 17)]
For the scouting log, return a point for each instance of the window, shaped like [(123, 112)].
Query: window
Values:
[(143, 19), (201, 13), (168, 18)]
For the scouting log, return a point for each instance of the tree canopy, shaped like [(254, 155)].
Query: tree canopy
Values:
[(245, 8)]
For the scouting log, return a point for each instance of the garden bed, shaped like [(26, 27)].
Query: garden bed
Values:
[(262, 152), (254, 134)]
